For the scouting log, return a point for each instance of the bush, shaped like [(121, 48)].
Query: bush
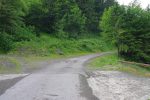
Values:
[(72, 23), (128, 28), (47, 45), (6, 42), (24, 34)]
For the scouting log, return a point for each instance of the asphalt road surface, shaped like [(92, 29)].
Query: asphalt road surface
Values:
[(68, 80), (61, 80)]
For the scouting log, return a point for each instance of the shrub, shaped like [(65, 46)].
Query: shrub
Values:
[(24, 34), (6, 42), (128, 28)]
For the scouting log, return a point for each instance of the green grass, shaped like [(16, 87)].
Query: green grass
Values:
[(111, 62), (100, 62)]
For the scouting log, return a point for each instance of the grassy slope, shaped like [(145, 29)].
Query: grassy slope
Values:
[(111, 62), (48, 45)]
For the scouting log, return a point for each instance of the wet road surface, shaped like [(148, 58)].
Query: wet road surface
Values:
[(68, 80), (61, 80)]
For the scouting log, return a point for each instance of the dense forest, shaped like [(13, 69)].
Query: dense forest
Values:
[(125, 27)]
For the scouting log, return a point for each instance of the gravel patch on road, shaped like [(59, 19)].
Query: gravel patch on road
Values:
[(114, 85)]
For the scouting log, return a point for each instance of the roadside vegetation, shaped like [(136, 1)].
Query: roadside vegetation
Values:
[(48, 45), (128, 28), (111, 62), (9, 64), (129, 32), (47, 27)]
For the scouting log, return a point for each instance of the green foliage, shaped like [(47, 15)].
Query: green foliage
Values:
[(21, 20), (93, 9), (106, 60), (111, 62), (46, 45), (66, 18), (128, 28), (24, 34), (6, 42), (63, 18), (12, 28), (41, 17), (9, 65), (10, 15), (110, 23), (72, 24)]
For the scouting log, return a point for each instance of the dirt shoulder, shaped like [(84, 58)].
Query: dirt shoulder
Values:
[(114, 85)]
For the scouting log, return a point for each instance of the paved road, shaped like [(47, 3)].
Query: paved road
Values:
[(61, 80)]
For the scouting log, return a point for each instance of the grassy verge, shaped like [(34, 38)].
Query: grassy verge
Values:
[(111, 62), (8, 65)]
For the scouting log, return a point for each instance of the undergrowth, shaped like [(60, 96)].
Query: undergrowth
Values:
[(48, 45)]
